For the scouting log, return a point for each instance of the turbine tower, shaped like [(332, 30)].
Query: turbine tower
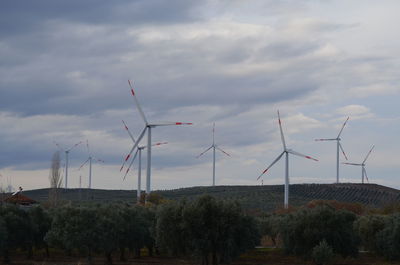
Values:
[(90, 159), (66, 160), (138, 152), (285, 152), (338, 146), (213, 146), (148, 127), (362, 165)]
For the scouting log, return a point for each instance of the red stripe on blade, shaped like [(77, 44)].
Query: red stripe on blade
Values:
[(133, 92)]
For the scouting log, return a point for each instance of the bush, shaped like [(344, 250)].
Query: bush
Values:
[(322, 254)]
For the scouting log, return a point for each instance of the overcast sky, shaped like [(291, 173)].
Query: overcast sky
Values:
[(64, 67)]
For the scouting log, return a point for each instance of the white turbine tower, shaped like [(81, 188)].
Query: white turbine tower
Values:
[(90, 160), (214, 147), (138, 152), (362, 165), (148, 127), (66, 159), (338, 145), (285, 152)]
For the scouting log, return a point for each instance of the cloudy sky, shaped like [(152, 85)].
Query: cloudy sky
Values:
[(64, 67)]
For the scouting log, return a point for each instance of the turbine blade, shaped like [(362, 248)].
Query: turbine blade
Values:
[(137, 103), (204, 152), (341, 130), (282, 136), (134, 146), (276, 160), (87, 146), (341, 148), (129, 132), (365, 174), (170, 123), (368, 154), (83, 163), (75, 145), (130, 165), (222, 151), (299, 154), (157, 144), (325, 139), (353, 164)]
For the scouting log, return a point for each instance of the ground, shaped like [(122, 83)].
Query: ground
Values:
[(264, 256)]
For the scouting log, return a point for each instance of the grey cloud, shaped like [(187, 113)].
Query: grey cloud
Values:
[(18, 16)]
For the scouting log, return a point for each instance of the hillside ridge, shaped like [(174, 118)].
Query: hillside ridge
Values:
[(265, 197)]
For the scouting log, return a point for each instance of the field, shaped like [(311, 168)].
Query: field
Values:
[(252, 198), (265, 256)]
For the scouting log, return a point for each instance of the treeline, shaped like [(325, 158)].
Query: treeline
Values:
[(326, 230), (208, 230)]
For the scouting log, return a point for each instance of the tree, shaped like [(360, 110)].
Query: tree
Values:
[(388, 239), (269, 226), (19, 230), (75, 228), (3, 236), (40, 222), (217, 230), (303, 230), (55, 179), (170, 233), (367, 228)]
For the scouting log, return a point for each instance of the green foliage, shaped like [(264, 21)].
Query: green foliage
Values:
[(270, 226), (208, 228), (303, 230), (19, 229), (388, 239), (323, 254), (171, 235), (3, 235), (367, 228)]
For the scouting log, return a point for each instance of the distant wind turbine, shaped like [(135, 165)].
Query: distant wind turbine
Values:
[(148, 127), (362, 165), (338, 145), (138, 152), (90, 159), (213, 146), (285, 152), (66, 159)]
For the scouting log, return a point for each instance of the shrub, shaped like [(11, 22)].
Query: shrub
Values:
[(322, 254)]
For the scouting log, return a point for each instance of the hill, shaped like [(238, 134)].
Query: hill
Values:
[(254, 198)]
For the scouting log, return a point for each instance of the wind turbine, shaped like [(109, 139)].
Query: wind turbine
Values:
[(148, 127), (138, 152), (363, 171), (90, 159), (213, 146), (66, 159), (285, 152), (338, 145)]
